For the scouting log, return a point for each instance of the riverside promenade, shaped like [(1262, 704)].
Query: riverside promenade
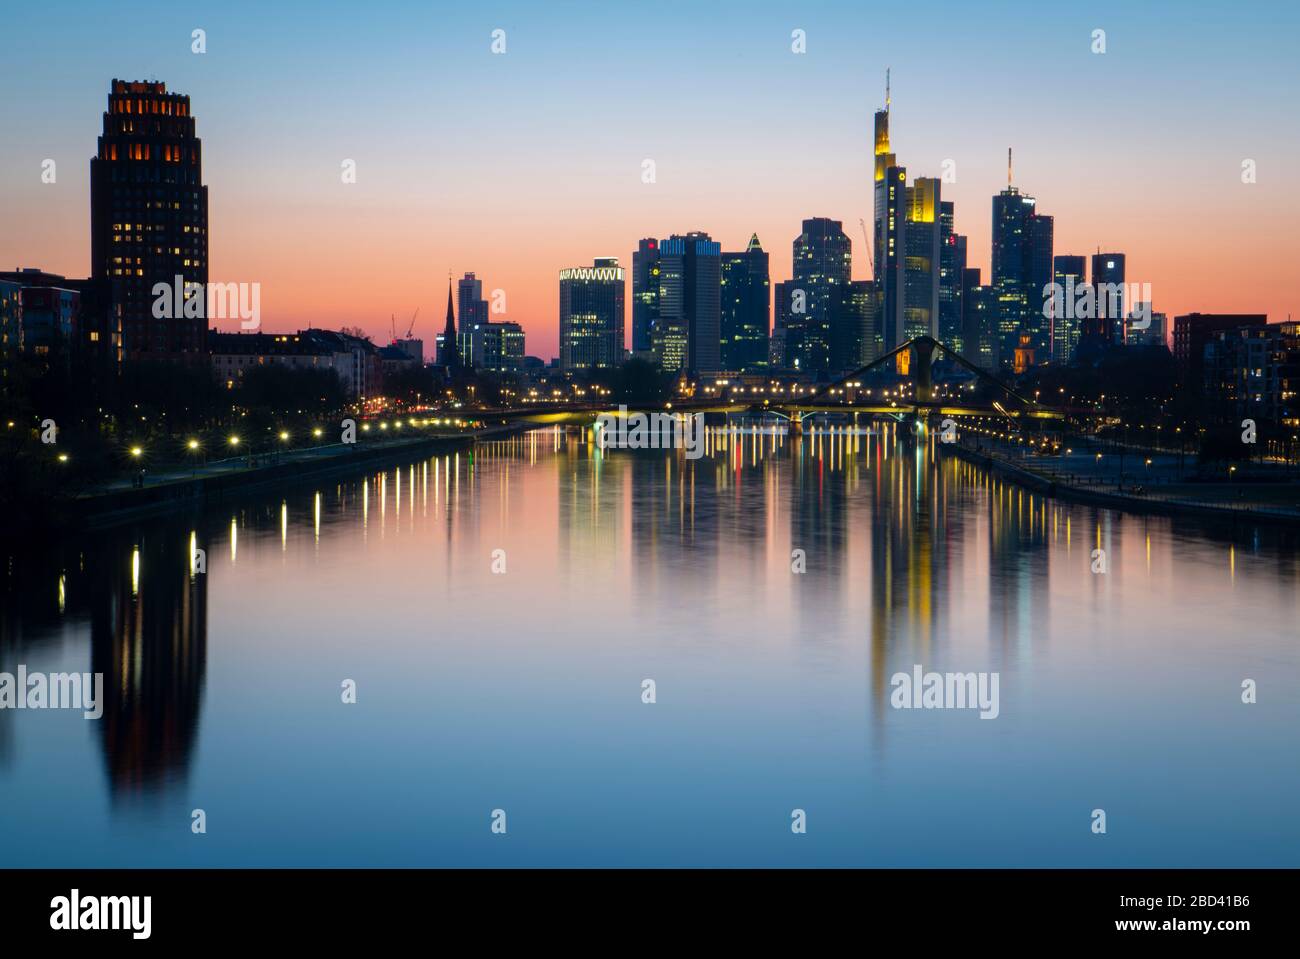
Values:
[(124, 500), (1142, 481)]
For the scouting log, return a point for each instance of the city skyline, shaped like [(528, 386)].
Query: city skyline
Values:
[(281, 217)]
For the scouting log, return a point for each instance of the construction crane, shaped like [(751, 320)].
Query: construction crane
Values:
[(866, 238), (411, 327)]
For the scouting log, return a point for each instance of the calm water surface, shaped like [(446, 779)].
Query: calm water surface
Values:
[(521, 691)]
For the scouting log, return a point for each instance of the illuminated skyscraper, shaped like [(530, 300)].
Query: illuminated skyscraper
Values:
[(952, 267), (746, 308), (1022, 258), (149, 222), (591, 316), (1068, 275), (822, 270), (890, 196), (687, 334), (921, 267), (471, 306), (865, 342), (1042, 230), (645, 295)]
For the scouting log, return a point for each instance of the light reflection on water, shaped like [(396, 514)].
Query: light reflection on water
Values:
[(522, 690)]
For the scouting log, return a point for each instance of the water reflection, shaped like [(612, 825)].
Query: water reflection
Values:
[(775, 585)]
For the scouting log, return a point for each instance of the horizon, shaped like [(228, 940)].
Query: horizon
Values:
[(529, 189)]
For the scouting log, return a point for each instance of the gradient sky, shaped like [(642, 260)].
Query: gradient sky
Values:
[(515, 166)]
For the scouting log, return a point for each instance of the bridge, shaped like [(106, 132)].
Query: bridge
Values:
[(913, 359)]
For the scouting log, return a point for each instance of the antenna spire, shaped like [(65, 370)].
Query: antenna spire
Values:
[(1008, 166), (886, 89)]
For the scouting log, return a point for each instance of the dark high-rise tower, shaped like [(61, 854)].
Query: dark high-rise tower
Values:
[(861, 338), (1108, 286), (746, 308), (1022, 264), (1070, 279), (822, 271), (1042, 229), (688, 333), (472, 307), (149, 221), (645, 295), (952, 267)]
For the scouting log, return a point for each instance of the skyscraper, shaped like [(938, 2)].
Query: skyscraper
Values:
[(1064, 322), (591, 316), (890, 198), (952, 267), (922, 262), (981, 322), (688, 332), (149, 221), (745, 308), (473, 309), (1022, 259), (865, 342), (1108, 286), (822, 270), (1042, 230), (645, 295)]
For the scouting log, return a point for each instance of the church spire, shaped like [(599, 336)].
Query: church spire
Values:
[(450, 353)]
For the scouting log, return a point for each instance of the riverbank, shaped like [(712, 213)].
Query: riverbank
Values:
[(119, 503), (1162, 503)]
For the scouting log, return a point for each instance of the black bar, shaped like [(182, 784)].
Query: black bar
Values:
[(668, 908)]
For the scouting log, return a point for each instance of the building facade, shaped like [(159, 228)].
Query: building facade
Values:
[(1021, 274), (1063, 319), (149, 221), (591, 316), (1193, 331), (745, 308), (645, 296), (688, 331)]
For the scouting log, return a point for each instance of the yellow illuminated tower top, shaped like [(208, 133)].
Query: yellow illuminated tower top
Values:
[(884, 159)]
